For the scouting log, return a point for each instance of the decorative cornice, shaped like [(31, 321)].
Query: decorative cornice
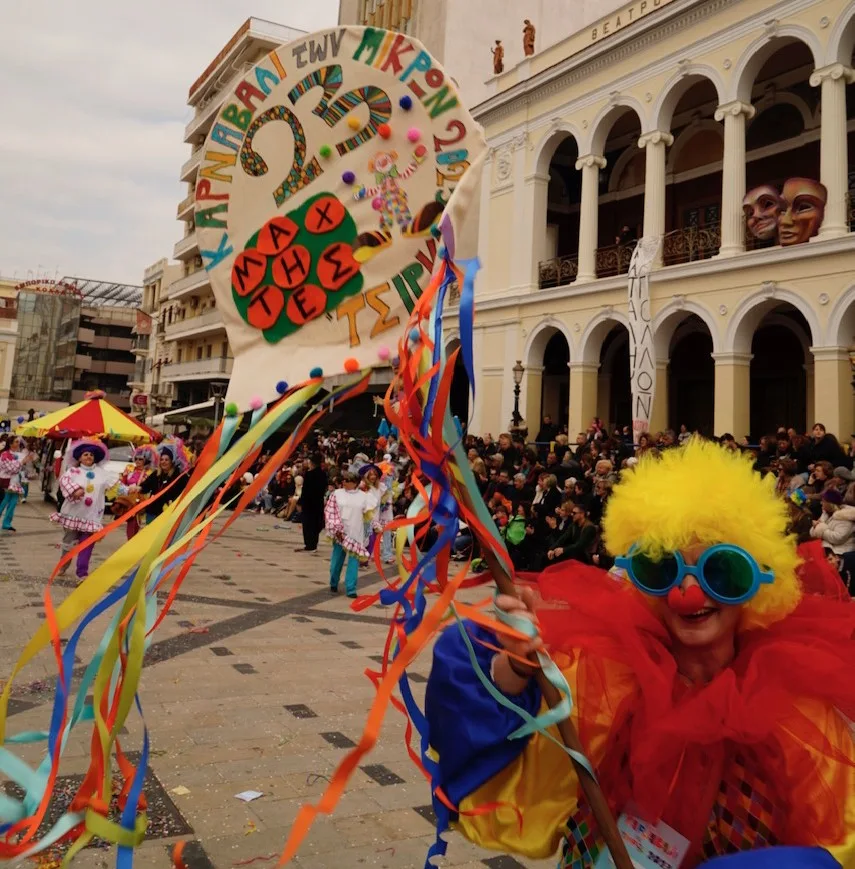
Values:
[(584, 367), (731, 357), (591, 160), (584, 64), (835, 72), (734, 109), (656, 137), (830, 354)]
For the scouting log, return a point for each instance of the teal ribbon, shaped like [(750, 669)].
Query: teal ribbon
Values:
[(533, 724)]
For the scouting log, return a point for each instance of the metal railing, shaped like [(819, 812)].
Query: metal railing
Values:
[(558, 271), (614, 259), (691, 243)]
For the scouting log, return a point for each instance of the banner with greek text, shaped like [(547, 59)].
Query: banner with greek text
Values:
[(320, 190)]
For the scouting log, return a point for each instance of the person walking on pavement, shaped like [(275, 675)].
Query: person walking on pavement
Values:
[(10, 484), (311, 504), (83, 485), (346, 512)]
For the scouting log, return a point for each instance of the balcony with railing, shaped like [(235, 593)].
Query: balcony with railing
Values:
[(140, 345), (191, 165), (690, 244), (189, 284), (208, 322), (201, 123), (198, 369), (558, 271), (188, 247), (185, 207)]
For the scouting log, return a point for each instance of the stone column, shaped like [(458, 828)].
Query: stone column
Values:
[(534, 231), (659, 413), (655, 143), (733, 176), (583, 396), (590, 166), (834, 405), (834, 161), (732, 394)]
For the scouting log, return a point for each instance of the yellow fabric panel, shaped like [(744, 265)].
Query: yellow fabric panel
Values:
[(541, 782), (840, 778)]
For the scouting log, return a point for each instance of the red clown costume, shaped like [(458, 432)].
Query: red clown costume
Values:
[(713, 696)]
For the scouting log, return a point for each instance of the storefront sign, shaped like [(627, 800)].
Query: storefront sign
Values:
[(623, 17), (143, 326), (140, 400)]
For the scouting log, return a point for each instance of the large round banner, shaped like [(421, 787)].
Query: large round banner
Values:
[(320, 190)]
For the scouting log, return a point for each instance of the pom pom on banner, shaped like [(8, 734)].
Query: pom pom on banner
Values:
[(414, 134), (385, 131), (282, 387), (256, 403), (383, 353), (316, 372), (325, 151), (231, 409), (406, 102), (351, 365), (348, 177)]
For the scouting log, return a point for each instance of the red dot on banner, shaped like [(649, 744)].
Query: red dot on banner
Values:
[(325, 215), (276, 235), (291, 267), (351, 366), (266, 306), (385, 131), (305, 304), (248, 271), (420, 151), (336, 266)]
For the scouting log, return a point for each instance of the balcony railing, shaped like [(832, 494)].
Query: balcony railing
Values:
[(186, 206), (191, 166), (188, 284), (614, 259), (558, 271), (691, 243), (187, 247), (210, 321), (198, 369)]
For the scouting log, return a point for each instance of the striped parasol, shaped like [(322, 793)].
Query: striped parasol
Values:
[(92, 417)]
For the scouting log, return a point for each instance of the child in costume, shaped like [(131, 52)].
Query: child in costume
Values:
[(10, 482), (173, 461), (345, 515), (710, 694), (83, 485), (128, 490)]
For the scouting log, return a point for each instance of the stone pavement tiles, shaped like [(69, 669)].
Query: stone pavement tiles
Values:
[(254, 681)]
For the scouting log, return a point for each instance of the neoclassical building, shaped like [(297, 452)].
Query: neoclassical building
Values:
[(659, 125)]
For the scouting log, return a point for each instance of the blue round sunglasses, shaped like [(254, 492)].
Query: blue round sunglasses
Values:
[(726, 573)]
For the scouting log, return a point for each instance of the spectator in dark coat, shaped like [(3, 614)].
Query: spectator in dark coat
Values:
[(826, 448), (311, 503)]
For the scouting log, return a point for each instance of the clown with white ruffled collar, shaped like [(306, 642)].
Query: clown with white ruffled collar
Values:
[(83, 486)]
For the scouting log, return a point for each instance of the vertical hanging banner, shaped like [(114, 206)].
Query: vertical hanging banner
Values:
[(642, 353), (321, 187)]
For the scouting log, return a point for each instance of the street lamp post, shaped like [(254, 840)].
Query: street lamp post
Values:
[(518, 371)]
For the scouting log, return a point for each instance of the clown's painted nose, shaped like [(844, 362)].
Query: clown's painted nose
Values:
[(686, 602)]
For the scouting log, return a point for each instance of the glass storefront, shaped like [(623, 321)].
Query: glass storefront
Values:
[(47, 346)]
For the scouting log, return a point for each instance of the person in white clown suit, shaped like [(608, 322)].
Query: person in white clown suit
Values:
[(346, 512), (83, 485)]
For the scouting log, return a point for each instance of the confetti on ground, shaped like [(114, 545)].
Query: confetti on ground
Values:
[(249, 796), (180, 791)]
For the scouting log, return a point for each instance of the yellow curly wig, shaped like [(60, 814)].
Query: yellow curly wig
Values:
[(704, 494)]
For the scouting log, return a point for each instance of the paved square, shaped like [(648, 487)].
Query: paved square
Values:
[(255, 681)]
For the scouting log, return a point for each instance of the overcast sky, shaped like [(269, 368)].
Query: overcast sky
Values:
[(94, 109)]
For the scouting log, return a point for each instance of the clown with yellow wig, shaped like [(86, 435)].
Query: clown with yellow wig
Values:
[(713, 699)]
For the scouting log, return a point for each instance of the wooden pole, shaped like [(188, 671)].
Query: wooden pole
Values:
[(590, 786)]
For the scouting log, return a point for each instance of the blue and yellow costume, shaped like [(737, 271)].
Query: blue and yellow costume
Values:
[(760, 756)]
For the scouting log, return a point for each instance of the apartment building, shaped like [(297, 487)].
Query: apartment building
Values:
[(8, 338)]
